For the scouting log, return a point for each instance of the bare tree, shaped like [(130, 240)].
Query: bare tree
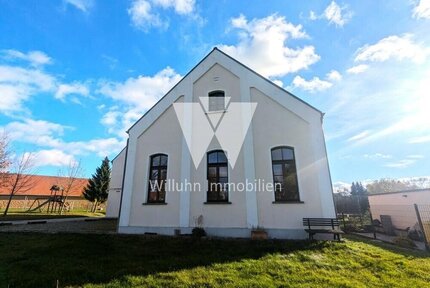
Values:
[(21, 177), (69, 182), (5, 160), (389, 185)]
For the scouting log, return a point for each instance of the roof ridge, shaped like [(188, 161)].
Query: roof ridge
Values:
[(238, 62)]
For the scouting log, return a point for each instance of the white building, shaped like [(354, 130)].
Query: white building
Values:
[(399, 206), (277, 175)]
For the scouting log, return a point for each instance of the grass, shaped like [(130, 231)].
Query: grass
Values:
[(22, 215), (39, 260)]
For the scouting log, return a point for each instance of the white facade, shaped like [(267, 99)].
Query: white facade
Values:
[(280, 119), (399, 206), (115, 185)]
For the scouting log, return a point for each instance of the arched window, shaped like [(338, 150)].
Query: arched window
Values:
[(217, 176), (217, 100), (285, 174), (157, 178)]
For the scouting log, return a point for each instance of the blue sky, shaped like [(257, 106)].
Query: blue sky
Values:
[(75, 74)]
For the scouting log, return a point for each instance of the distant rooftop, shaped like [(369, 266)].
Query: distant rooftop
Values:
[(402, 191), (43, 184)]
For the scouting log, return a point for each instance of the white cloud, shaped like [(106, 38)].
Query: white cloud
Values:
[(142, 91), (83, 5), (378, 156), (110, 118), (334, 75), (117, 122), (52, 157), (393, 47), (415, 156), (38, 132), (404, 163), (420, 139), (312, 15), (19, 84), (339, 187), (278, 82), (313, 85), (359, 136), (422, 10), (402, 115), (336, 14), (74, 88), (102, 146), (35, 58), (180, 6), (358, 69), (262, 46), (143, 17), (29, 77), (47, 134), (139, 94)]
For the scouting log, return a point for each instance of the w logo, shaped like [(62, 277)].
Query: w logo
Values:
[(199, 125)]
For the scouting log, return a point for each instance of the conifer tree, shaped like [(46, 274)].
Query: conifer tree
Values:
[(353, 189), (98, 185)]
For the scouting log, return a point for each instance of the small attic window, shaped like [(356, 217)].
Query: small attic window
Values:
[(216, 100)]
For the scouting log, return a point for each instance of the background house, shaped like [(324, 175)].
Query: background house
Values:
[(40, 189), (400, 206)]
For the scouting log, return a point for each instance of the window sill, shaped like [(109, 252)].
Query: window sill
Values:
[(288, 202), (154, 203), (214, 112), (216, 203)]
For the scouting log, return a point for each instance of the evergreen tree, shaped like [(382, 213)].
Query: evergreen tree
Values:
[(359, 194), (354, 189), (361, 190), (98, 185)]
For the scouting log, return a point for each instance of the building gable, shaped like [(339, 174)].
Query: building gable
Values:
[(217, 58)]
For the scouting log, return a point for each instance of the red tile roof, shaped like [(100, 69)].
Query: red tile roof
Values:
[(41, 185)]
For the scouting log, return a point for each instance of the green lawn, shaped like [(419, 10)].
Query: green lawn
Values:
[(38, 260)]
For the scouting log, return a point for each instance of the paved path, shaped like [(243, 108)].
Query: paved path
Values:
[(47, 220), (390, 239), (72, 225)]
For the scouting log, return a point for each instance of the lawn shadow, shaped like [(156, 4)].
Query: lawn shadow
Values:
[(39, 260), (407, 252)]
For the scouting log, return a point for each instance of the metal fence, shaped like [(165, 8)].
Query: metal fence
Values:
[(423, 215)]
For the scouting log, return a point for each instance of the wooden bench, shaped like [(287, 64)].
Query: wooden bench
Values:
[(315, 226)]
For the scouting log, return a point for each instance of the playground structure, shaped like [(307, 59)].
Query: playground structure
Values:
[(55, 202)]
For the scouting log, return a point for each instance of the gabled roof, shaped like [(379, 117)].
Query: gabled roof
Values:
[(117, 155), (239, 63), (41, 185), (400, 192)]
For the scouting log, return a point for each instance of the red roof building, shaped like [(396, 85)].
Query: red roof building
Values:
[(41, 186)]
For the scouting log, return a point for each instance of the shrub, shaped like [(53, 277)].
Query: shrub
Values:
[(404, 242), (198, 232), (415, 235)]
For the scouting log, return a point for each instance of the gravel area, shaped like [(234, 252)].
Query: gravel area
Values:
[(97, 226)]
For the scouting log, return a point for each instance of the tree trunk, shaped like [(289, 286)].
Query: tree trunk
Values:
[(8, 204), (94, 207), (64, 203)]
